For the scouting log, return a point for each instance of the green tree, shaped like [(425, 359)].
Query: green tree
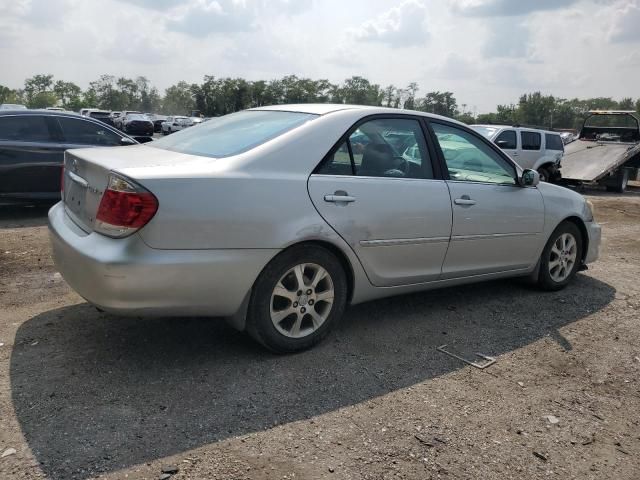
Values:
[(69, 94), (8, 95), (178, 99), (626, 104), (359, 91), (411, 91), (440, 103), (38, 91)]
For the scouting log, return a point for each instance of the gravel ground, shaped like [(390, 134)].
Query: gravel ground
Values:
[(88, 395)]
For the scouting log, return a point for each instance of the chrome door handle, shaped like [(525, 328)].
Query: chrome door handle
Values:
[(464, 201), (514, 154), (339, 198)]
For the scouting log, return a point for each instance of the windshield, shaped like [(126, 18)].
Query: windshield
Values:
[(234, 133), (488, 132)]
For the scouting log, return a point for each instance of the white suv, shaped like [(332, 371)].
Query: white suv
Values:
[(539, 150)]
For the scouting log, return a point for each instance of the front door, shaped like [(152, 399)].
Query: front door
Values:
[(378, 192), (497, 224), (30, 161)]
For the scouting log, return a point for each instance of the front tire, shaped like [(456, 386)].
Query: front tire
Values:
[(545, 176), (297, 299), (561, 257)]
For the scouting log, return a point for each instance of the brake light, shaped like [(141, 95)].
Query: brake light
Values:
[(125, 207)]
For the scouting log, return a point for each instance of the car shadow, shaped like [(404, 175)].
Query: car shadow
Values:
[(20, 216), (95, 393)]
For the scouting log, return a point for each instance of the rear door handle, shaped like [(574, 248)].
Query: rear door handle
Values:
[(464, 201), (339, 198)]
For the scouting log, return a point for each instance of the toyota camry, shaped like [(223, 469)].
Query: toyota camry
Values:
[(279, 217)]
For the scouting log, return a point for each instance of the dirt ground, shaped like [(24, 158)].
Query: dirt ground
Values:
[(88, 395)]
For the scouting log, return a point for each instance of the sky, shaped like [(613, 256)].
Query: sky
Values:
[(487, 52)]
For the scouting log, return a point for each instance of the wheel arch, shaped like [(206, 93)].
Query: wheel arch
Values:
[(339, 254), (578, 222)]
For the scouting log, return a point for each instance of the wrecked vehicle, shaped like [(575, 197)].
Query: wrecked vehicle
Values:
[(607, 151)]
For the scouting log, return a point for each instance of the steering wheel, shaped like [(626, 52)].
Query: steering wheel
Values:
[(401, 170)]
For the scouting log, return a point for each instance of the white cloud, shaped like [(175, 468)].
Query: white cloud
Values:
[(401, 26), (626, 22), (485, 8)]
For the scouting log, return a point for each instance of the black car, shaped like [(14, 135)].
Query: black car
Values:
[(157, 122), (137, 124), (102, 115), (32, 145)]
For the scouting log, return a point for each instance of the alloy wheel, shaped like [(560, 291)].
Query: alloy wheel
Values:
[(563, 257), (302, 300)]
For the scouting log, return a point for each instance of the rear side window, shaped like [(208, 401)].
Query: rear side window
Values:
[(233, 134), (391, 147), (87, 133), (24, 128), (531, 140), (554, 142), (507, 140)]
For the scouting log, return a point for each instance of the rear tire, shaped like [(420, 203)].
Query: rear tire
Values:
[(561, 257), (297, 299), (622, 180)]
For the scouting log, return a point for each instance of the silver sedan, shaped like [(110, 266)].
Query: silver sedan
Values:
[(278, 217)]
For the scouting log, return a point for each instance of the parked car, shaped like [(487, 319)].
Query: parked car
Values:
[(196, 120), (532, 148), (32, 145), (85, 111), (119, 120), (268, 217), (157, 122), (102, 115), (137, 124), (12, 106), (175, 124), (55, 109)]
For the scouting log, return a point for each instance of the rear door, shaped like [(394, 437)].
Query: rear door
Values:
[(378, 189), (30, 157), (531, 148), (81, 133), (497, 224)]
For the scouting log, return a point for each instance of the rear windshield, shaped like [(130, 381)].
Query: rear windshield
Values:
[(612, 120), (488, 132), (232, 134)]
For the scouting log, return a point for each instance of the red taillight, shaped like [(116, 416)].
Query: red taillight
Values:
[(125, 207)]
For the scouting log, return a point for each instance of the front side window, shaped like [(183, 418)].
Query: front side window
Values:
[(469, 159), (87, 133), (24, 128), (531, 140), (233, 134), (507, 140), (391, 147)]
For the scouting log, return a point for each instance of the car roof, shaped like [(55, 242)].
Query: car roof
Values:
[(514, 127), (43, 112)]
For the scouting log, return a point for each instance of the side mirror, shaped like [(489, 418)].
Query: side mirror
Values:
[(530, 178), (126, 141)]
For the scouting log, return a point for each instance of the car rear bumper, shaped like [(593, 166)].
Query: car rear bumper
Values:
[(127, 277), (595, 236)]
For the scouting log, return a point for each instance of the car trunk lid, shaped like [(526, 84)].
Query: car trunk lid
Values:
[(86, 174)]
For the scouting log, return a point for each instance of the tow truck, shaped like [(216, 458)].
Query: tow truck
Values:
[(606, 152)]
